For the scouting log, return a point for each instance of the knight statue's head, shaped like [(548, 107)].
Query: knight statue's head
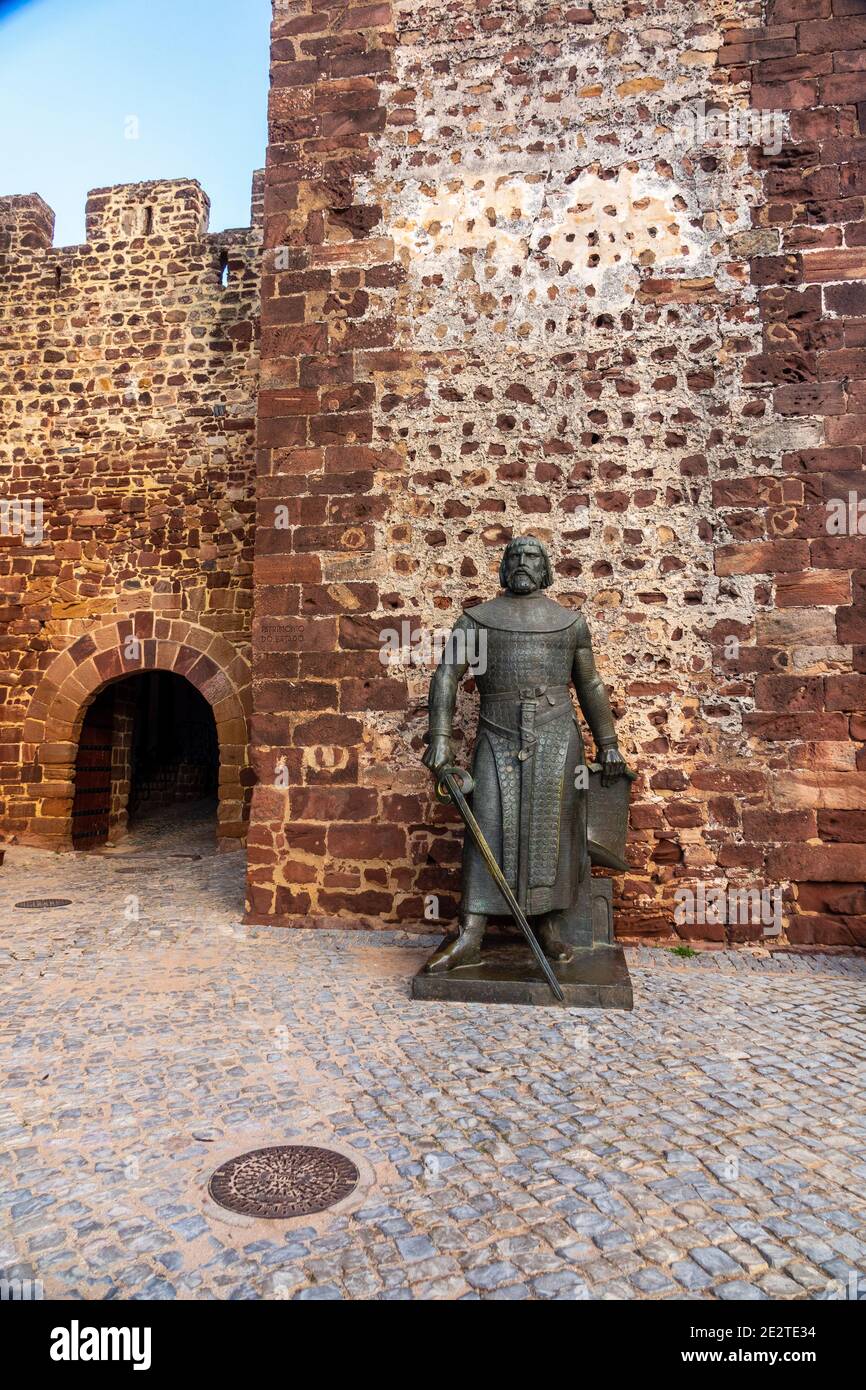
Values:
[(525, 566)]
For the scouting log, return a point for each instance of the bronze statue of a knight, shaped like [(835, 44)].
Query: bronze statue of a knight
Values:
[(528, 797)]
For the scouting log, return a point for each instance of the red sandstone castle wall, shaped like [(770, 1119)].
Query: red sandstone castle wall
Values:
[(128, 379), (806, 661), (503, 291)]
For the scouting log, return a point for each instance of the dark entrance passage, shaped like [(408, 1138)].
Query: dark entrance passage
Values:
[(148, 742)]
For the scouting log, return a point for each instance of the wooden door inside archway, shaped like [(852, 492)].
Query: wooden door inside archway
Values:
[(91, 807)]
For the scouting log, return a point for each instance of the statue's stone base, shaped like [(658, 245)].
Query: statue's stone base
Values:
[(595, 978)]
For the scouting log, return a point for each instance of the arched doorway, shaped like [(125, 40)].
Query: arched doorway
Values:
[(148, 744), (133, 647)]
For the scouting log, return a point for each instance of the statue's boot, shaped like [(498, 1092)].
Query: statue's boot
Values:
[(466, 950), (550, 940)]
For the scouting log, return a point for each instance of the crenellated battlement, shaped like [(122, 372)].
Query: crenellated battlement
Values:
[(26, 224), (161, 211), (170, 208)]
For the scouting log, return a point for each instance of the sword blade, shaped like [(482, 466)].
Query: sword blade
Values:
[(500, 880)]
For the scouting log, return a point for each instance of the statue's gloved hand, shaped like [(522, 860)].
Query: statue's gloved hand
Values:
[(440, 752), (612, 766)]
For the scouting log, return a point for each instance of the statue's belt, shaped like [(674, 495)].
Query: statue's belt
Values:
[(554, 701), (554, 695)]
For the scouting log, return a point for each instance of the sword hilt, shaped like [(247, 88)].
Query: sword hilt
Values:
[(461, 777)]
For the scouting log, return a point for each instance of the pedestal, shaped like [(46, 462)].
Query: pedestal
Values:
[(595, 978)]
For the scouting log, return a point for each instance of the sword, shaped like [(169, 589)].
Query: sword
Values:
[(448, 780)]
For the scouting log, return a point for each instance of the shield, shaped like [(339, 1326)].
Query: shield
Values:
[(607, 819)]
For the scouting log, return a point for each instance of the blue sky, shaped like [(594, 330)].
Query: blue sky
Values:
[(76, 76)]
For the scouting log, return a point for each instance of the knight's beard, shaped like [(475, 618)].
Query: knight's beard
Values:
[(522, 584)]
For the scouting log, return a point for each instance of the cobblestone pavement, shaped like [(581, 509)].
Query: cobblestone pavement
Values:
[(708, 1145)]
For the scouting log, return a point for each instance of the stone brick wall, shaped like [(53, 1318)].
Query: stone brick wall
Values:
[(512, 283), (594, 272), (805, 662), (128, 380)]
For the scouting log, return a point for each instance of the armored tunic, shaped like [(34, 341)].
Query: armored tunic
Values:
[(528, 749)]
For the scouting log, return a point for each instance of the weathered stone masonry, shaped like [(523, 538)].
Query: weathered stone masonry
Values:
[(806, 659), (510, 285), (128, 379), (514, 279)]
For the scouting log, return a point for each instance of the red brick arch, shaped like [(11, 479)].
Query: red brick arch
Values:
[(77, 675)]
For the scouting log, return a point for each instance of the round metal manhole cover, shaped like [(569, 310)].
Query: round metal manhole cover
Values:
[(43, 904), (284, 1181)]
